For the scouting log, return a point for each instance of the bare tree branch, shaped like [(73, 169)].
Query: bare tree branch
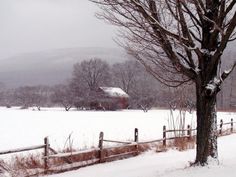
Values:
[(226, 73)]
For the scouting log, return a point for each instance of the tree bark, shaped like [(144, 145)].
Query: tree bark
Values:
[(206, 125)]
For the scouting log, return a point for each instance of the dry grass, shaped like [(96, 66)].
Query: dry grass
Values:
[(75, 158), (3, 167), (183, 144), (179, 143), (146, 147), (28, 162), (225, 132), (20, 166)]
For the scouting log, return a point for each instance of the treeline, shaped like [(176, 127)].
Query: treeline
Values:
[(80, 90)]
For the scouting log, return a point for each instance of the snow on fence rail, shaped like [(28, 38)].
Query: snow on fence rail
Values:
[(101, 154), (22, 149)]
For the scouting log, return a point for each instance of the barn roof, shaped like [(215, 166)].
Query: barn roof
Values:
[(114, 92)]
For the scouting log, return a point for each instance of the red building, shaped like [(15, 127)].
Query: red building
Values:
[(110, 98)]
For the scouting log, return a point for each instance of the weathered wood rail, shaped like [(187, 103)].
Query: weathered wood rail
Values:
[(22, 149), (122, 149)]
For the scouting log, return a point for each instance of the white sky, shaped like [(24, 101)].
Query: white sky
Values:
[(35, 25)]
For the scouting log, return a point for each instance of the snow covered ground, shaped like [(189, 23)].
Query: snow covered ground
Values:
[(167, 164), (20, 128)]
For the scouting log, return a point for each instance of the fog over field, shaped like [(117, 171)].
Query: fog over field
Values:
[(52, 66), (40, 40)]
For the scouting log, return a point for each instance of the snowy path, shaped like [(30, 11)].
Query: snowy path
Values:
[(169, 164)]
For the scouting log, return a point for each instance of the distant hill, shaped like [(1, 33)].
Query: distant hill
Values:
[(51, 67), (55, 66)]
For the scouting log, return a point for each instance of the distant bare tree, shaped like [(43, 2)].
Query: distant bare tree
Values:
[(180, 41), (91, 73), (28, 96), (87, 76), (41, 96), (24, 96), (80, 94), (133, 78), (145, 91), (3, 94), (62, 95), (181, 98), (125, 74)]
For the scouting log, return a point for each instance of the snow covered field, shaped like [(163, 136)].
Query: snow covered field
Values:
[(20, 128), (167, 164)]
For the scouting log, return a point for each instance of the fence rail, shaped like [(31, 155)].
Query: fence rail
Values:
[(103, 154), (22, 149), (114, 141), (69, 154)]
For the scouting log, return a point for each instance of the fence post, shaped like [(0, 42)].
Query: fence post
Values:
[(232, 126), (136, 138), (189, 132), (46, 153), (221, 125), (136, 135), (164, 136), (100, 145)]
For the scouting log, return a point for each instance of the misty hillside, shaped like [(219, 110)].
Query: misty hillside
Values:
[(51, 67), (55, 66)]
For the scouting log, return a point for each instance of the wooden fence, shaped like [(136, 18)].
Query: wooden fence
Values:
[(123, 149)]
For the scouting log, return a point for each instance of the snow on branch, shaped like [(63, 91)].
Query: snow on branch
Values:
[(215, 25), (226, 73), (212, 87)]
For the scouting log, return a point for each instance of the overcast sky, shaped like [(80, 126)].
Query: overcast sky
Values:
[(36, 25)]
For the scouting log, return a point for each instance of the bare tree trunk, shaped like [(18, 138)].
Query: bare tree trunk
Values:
[(206, 126)]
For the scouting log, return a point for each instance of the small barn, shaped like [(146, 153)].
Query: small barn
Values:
[(111, 98)]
